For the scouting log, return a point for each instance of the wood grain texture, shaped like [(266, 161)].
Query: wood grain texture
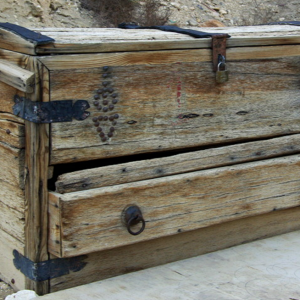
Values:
[(12, 196), (8, 271), (36, 194), (16, 58), (92, 220), (81, 61), (175, 106), (14, 42), (176, 164), (15, 76), (12, 221), (105, 264), (54, 225), (12, 131), (89, 40), (12, 165), (7, 94)]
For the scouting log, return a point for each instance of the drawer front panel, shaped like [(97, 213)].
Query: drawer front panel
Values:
[(157, 106), (89, 221)]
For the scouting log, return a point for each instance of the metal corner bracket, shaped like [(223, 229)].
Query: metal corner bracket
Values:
[(48, 269), (50, 112)]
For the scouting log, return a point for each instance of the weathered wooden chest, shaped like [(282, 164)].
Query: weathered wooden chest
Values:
[(122, 149)]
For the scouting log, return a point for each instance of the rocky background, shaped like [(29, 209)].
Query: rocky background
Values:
[(69, 13), (209, 13)]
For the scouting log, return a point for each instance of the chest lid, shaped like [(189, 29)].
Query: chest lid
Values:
[(40, 41)]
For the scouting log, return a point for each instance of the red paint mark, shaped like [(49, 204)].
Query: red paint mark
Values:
[(179, 92)]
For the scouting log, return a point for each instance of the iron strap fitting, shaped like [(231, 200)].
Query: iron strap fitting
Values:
[(50, 112), (48, 269)]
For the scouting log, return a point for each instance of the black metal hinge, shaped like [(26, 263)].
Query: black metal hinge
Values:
[(48, 269), (27, 34), (50, 112)]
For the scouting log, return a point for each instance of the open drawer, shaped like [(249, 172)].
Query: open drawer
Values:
[(92, 220)]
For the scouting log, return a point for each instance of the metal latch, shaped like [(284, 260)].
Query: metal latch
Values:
[(48, 269), (50, 112), (219, 57)]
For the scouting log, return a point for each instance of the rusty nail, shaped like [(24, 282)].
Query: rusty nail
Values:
[(96, 124), (105, 83), (99, 91), (8, 131), (116, 116), (105, 75), (114, 95), (114, 123), (111, 90), (99, 129), (111, 107), (100, 118), (112, 129), (110, 134), (104, 139), (13, 281), (105, 118), (95, 119), (99, 107), (105, 102), (105, 68), (101, 134), (105, 109), (96, 97), (115, 101), (105, 95), (96, 103), (111, 118)]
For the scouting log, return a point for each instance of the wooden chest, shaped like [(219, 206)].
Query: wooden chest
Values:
[(122, 149)]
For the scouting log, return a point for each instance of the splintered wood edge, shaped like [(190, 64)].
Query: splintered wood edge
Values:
[(17, 77)]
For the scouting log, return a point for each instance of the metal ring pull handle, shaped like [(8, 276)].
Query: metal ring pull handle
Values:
[(133, 216)]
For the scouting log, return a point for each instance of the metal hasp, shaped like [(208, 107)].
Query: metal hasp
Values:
[(218, 49), (50, 112), (48, 269)]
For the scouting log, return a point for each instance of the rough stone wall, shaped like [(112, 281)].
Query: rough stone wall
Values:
[(45, 13), (68, 13)]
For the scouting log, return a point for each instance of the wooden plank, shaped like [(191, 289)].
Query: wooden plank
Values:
[(12, 221), (92, 220), (14, 42), (176, 106), (54, 226), (76, 61), (12, 165), (12, 131), (12, 196), (8, 271), (36, 194), (176, 164), (105, 264), (16, 58), (19, 78), (94, 40), (7, 94)]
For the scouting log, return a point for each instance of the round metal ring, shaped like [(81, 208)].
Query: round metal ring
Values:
[(132, 221)]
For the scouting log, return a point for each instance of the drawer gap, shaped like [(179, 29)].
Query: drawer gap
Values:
[(108, 172)]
